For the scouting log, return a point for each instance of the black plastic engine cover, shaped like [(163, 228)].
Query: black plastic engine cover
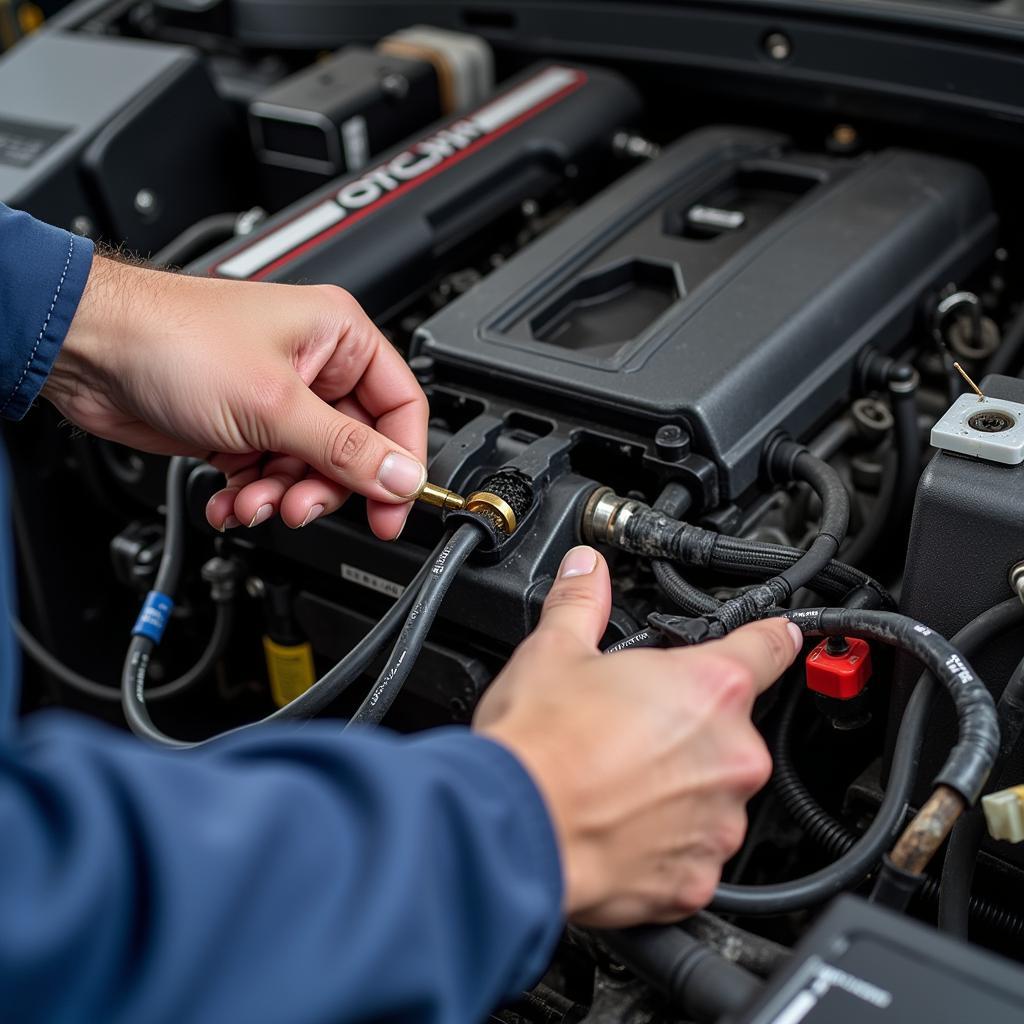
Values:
[(382, 232), (727, 286)]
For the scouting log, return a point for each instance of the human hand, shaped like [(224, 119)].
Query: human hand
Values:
[(290, 391), (646, 758)]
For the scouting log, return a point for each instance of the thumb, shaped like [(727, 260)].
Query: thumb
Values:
[(346, 450), (580, 599)]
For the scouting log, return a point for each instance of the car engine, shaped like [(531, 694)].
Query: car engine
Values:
[(731, 291)]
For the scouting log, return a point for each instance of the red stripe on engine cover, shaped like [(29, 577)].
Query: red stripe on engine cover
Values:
[(353, 218)]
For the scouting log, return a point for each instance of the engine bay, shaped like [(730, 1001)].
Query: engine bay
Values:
[(705, 285)]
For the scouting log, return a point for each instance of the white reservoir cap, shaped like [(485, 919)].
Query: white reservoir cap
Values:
[(985, 428)]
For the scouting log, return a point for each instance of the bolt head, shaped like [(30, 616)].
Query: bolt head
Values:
[(145, 203), (255, 587), (777, 45)]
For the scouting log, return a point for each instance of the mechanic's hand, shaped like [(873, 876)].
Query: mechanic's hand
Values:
[(290, 391), (646, 758)]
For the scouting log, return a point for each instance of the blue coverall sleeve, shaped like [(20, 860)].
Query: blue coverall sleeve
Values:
[(42, 276), (280, 875)]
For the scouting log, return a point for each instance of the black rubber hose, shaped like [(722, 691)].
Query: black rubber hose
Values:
[(753, 952), (421, 617), (212, 653), (965, 770), (331, 685), (969, 831), (1009, 351), (675, 501), (196, 239), (698, 983), (837, 840), (835, 516), (656, 535), (903, 382)]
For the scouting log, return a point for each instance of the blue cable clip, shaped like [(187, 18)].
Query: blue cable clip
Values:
[(154, 616)]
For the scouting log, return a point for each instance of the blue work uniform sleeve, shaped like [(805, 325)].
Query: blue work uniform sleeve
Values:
[(43, 271), (277, 876)]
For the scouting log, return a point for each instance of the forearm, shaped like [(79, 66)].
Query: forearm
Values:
[(43, 271), (286, 876)]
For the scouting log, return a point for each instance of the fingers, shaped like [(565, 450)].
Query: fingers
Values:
[(367, 367), (579, 602), (757, 654), (345, 450)]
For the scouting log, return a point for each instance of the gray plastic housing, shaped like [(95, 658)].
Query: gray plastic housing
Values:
[(629, 310), (966, 535)]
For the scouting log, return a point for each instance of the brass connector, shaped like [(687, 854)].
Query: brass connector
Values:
[(483, 503), (496, 509), (441, 497)]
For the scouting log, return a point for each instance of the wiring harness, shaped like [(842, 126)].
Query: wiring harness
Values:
[(413, 612)]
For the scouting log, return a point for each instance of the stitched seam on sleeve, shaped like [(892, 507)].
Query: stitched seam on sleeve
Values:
[(42, 330)]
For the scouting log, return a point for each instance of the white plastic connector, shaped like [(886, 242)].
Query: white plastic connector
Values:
[(987, 428), (1004, 814)]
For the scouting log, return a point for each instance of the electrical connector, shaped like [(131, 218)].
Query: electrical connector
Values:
[(1004, 814), (839, 667)]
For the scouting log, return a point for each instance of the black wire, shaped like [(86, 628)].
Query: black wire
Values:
[(326, 689), (857, 861), (212, 653), (965, 839), (443, 571)]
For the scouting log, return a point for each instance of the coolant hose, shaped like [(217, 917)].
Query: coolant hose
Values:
[(675, 502), (831, 834), (698, 983), (968, 833), (788, 461), (965, 770)]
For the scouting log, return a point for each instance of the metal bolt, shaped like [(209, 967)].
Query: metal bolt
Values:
[(255, 587), (82, 225), (1016, 578), (423, 368), (634, 146), (778, 46), (145, 202), (671, 442), (394, 86)]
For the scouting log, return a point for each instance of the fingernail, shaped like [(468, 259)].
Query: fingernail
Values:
[(230, 523), (263, 513), (578, 562), (313, 513), (796, 635), (401, 475)]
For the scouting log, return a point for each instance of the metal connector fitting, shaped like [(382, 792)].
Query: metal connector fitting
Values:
[(1016, 578), (605, 516), (441, 497), (493, 508)]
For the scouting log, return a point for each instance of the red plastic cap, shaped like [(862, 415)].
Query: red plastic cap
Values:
[(842, 676)]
